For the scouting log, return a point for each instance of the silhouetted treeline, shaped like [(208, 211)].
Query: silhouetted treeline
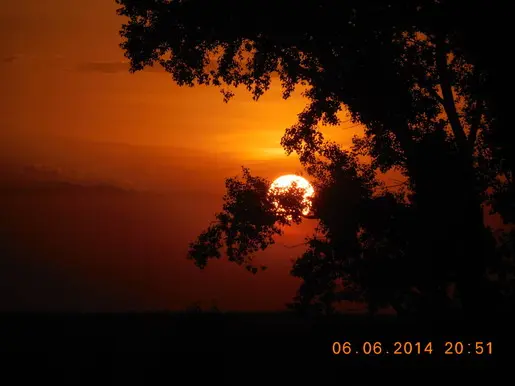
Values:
[(423, 78)]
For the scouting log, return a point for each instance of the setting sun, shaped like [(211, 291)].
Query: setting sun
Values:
[(290, 180)]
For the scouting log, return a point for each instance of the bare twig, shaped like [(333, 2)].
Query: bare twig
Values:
[(294, 246), (476, 121)]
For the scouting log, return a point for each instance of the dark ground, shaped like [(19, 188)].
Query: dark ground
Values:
[(237, 346)]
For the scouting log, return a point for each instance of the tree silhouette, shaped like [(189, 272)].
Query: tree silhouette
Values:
[(249, 221), (408, 72)]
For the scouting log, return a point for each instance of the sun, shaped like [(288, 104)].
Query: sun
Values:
[(289, 180)]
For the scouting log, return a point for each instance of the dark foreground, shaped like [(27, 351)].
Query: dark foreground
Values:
[(186, 348)]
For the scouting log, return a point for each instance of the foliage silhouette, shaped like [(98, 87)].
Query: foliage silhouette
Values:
[(249, 221), (410, 73)]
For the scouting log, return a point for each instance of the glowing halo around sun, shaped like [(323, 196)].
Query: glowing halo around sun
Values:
[(286, 182)]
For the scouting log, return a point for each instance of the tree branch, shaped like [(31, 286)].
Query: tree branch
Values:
[(406, 141), (435, 95), (295, 245), (448, 98), (397, 185), (476, 121)]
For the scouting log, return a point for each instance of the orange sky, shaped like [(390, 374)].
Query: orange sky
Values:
[(69, 104)]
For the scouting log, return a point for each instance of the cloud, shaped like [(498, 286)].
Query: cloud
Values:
[(117, 67), (10, 59), (112, 67), (40, 179), (104, 67), (32, 59)]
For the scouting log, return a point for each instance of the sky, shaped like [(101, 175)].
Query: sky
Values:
[(72, 115)]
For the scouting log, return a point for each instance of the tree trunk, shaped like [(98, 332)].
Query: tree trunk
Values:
[(450, 240), (471, 260)]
